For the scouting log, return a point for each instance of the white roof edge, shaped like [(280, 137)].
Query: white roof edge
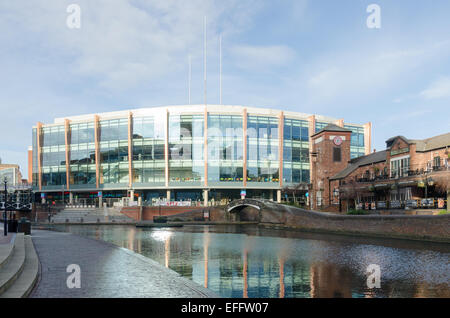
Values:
[(197, 108)]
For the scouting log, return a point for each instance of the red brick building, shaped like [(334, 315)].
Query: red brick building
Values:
[(408, 174)]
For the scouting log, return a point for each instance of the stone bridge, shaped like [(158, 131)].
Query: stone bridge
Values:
[(417, 227), (254, 210)]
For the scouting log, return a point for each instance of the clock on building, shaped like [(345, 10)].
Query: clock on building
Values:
[(337, 140)]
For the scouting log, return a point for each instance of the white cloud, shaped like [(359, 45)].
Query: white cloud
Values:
[(262, 57), (124, 43), (438, 89)]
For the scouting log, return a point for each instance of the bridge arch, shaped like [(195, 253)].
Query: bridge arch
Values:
[(246, 210)]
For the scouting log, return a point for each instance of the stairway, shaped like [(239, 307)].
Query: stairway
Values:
[(94, 215), (19, 266)]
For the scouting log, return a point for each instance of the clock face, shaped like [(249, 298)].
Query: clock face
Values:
[(337, 141)]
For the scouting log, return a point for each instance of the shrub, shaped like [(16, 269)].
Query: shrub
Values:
[(443, 212), (160, 219), (357, 212)]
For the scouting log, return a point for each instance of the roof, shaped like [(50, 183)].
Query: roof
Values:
[(432, 143), (332, 127), (423, 145), (355, 163), (193, 109)]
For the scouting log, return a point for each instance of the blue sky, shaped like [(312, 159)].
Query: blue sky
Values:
[(311, 56)]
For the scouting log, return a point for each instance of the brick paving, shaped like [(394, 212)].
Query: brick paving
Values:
[(106, 271)]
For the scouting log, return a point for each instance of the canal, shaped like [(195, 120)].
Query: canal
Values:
[(250, 261)]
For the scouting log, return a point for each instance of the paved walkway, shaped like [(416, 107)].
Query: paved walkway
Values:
[(106, 270)]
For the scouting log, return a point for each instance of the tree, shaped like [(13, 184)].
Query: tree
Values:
[(442, 184), (349, 192)]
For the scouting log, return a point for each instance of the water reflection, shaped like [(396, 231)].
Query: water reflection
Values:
[(251, 262)]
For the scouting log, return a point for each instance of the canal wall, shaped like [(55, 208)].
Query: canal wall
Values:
[(176, 212), (417, 227)]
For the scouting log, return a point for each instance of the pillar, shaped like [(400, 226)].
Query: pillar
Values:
[(130, 149), (279, 196), (100, 202), (131, 195), (70, 198), (367, 138), (168, 195), (205, 197)]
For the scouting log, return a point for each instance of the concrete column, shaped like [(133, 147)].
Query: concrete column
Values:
[(271, 195), (100, 202), (205, 197), (97, 150), (279, 196), (139, 201), (131, 195), (70, 198), (168, 195), (368, 138)]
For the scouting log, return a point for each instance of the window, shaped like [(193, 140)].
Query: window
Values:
[(336, 154), (399, 167), (437, 162)]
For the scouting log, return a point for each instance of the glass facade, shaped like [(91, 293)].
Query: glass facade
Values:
[(113, 136), (357, 141), (262, 149), (183, 134), (82, 154), (225, 149), (186, 140), (149, 150), (53, 158), (296, 151), (320, 126)]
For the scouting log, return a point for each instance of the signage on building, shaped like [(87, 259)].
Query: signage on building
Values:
[(411, 203), (399, 151), (243, 193), (381, 204), (100, 194)]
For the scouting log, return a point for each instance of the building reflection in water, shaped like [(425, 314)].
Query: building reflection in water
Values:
[(206, 240), (245, 274), (330, 281), (247, 265), (163, 236)]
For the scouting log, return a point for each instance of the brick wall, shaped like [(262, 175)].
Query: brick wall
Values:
[(323, 167), (421, 227)]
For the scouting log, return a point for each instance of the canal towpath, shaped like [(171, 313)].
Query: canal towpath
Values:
[(106, 271)]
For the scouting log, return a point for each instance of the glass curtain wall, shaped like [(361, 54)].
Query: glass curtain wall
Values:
[(148, 150), (357, 141), (225, 149), (262, 149), (296, 151), (82, 154), (320, 126), (186, 163), (114, 151), (53, 156)]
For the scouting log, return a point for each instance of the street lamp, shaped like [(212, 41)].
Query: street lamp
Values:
[(5, 216)]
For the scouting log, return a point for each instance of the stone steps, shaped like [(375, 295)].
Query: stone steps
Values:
[(27, 279), (19, 273), (11, 269), (89, 216)]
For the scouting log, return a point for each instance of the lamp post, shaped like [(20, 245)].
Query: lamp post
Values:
[(5, 216)]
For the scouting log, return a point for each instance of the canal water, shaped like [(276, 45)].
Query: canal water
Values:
[(250, 261)]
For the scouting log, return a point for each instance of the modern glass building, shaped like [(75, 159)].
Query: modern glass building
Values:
[(194, 152)]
